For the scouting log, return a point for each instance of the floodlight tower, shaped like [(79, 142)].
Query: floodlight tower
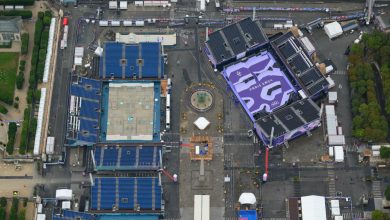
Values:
[(265, 175)]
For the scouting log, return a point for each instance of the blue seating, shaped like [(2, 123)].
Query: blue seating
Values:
[(128, 156), (95, 84), (110, 156), (146, 156), (112, 59), (89, 126), (126, 187), (150, 54), (71, 215), (132, 54), (89, 109), (96, 155), (87, 138), (81, 91)]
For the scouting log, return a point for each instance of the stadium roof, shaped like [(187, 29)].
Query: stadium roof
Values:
[(289, 118), (232, 40), (292, 54)]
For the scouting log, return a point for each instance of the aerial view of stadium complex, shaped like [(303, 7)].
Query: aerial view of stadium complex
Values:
[(194, 110), (275, 80)]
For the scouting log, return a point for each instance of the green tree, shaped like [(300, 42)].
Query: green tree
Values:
[(379, 215), (384, 152), (3, 202)]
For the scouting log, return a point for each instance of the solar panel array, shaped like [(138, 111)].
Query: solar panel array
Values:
[(127, 157), (72, 215), (89, 92), (126, 193), (143, 60)]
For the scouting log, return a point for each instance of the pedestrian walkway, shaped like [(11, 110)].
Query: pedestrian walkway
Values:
[(376, 189), (340, 72), (331, 182), (353, 215)]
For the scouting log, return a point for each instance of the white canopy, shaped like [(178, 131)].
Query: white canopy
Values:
[(247, 198), (313, 207), (201, 123), (333, 29)]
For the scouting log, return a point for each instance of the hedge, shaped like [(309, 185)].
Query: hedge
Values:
[(14, 209), (25, 125), (17, 2), (25, 14), (24, 49), (2, 213), (3, 110), (20, 80), (11, 137)]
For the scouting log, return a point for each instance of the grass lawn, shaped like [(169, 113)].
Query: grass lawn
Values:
[(8, 72)]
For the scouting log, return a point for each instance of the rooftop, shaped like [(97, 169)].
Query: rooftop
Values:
[(11, 24), (287, 119), (236, 38)]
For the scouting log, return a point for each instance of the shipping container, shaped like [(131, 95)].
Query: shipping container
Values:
[(115, 23), (19, 7), (9, 7), (103, 23)]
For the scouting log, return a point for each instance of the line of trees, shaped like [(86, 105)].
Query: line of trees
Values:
[(20, 76), (369, 123), (41, 38), (17, 2), (24, 38), (11, 137), (25, 14)]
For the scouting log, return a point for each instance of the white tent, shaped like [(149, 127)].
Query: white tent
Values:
[(201, 123), (338, 154), (313, 207), (333, 29), (332, 97), (247, 198), (64, 194), (99, 51)]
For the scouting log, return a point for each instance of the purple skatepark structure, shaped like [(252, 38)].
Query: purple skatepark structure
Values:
[(258, 84)]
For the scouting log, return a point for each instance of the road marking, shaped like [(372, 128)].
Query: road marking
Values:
[(340, 72), (332, 182), (376, 189)]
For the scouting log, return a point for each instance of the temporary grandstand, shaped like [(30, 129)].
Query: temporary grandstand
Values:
[(73, 215), (127, 157), (126, 194), (234, 42), (131, 111), (275, 81), (84, 111), (131, 61)]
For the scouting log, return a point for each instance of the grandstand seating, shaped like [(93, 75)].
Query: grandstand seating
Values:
[(126, 193), (72, 215), (84, 92), (89, 109), (125, 158), (142, 60)]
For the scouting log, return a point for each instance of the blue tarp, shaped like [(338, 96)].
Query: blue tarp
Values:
[(247, 215)]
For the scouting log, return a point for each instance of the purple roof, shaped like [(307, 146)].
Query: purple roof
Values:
[(259, 84)]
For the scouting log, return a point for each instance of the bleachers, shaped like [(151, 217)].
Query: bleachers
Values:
[(132, 53), (113, 56), (92, 138), (84, 92), (89, 109), (88, 126), (72, 215), (145, 188), (142, 60), (127, 157)]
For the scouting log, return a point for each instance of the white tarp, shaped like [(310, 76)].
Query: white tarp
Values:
[(334, 203), (338, 154), (49, 50), (99, 51), (247, 198), (41, 109), (79, 51), (336, 140), (333, 29), (66, 205), (123, 5), (332, 97), (313, 207), (41, 217), (78, 61), (308, 45), (64, 194), (112, 4), (201, 123)]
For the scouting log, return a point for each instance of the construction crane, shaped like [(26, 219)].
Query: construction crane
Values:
[(265, 175)]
